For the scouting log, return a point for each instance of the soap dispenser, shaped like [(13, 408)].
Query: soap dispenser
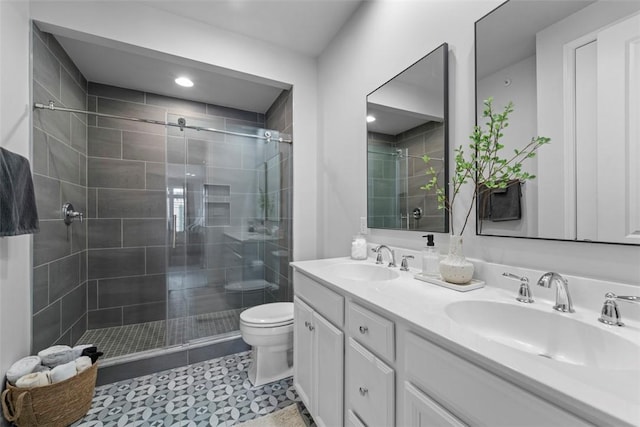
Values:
[(430, 258), (359, 247)]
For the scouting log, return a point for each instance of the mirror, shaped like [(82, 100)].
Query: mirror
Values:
[(572, 70), (407, 118)]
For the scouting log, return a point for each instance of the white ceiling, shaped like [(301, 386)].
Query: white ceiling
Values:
[(521, 19), (149, 72), (303, 26)]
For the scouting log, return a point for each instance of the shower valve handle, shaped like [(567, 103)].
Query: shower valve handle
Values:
[(69, 213)]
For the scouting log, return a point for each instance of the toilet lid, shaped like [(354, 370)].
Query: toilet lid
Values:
[(273, 314)]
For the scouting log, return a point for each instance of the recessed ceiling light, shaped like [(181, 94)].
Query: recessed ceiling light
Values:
[(183, 81), (370, 119)]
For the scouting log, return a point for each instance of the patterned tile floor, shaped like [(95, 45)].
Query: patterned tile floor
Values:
[(212, 393), (121, 340)]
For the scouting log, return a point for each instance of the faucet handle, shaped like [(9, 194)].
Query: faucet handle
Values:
[(610, 314), (524, 293), (404, 264), (378, 256)]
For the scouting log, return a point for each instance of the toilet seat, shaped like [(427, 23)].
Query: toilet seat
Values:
[(268, 315)]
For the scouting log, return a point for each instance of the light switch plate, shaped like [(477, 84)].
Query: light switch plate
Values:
[(363, 225)]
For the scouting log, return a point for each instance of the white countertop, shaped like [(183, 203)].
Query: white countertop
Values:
[(605, 395), (248, 236)]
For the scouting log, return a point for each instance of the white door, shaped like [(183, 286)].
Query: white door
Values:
[(618, 74), (303, 351), (329, 373)]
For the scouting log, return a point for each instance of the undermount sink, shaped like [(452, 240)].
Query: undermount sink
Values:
[(546, 334), (364, 272)]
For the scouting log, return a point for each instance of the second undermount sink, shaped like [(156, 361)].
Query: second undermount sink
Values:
[(364, 272), (547, 334)]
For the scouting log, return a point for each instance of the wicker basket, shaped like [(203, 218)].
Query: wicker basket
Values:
[(54, 405)]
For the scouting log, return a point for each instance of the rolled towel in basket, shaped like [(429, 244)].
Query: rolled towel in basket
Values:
[(83, 363), (63, 372), (56, 355), (34, 379), (41, 368), (22, 367), (77, 350)]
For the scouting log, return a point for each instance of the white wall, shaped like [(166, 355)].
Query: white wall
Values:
[(408, 97), (151, 28), (379, 41), (15, 252), (521, 90)]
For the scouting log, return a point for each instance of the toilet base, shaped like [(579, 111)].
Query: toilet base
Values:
[(269, 364)]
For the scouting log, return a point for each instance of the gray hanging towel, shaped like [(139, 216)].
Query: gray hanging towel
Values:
[(18, 213), (505, 202), (500, 204)]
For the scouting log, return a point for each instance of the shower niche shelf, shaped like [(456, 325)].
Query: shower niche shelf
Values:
[(217, 203)]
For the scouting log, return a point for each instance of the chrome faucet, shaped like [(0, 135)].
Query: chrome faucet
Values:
[(610, 314), (563, 299), (378, 250), (404, 264), (524, 293)]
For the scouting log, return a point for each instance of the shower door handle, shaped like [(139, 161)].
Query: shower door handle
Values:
[(173, 237)]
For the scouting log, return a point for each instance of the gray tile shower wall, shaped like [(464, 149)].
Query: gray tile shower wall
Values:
[(387, 202), (278, 254), (135, 276), (59, 304)]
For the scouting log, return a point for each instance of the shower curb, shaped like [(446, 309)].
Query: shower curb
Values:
[(148, 362)]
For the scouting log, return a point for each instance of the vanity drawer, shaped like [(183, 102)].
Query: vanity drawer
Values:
[(474, 395), (323, 300), (371, 330), (369, 387)]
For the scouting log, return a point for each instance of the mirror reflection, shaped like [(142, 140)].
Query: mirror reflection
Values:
[(572, 71), (407, 118)]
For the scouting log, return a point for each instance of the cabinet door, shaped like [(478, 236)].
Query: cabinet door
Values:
[(303, 351), (353, 420), (476, 396), (421, 411), (329, 372), (369, 385)]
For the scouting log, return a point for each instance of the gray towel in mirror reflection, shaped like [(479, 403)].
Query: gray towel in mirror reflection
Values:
[(501, 204)]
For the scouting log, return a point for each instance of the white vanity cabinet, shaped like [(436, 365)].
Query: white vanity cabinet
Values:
[(444, 389), (422, 411), (319, 350), (358, 363)]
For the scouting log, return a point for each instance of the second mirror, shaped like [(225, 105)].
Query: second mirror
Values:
[(407, 118)]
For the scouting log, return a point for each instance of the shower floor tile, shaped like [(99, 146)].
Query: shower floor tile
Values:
[(212, 393), (128, 339)]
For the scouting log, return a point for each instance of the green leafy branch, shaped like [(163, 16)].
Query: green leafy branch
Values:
[(265, 203), (484, 167)]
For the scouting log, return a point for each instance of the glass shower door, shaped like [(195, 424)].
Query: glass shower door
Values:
[(222, 209)]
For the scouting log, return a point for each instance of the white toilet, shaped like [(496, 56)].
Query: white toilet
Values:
[(268, 329)]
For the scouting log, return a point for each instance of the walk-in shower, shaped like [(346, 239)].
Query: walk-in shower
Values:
[(186, 206)]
